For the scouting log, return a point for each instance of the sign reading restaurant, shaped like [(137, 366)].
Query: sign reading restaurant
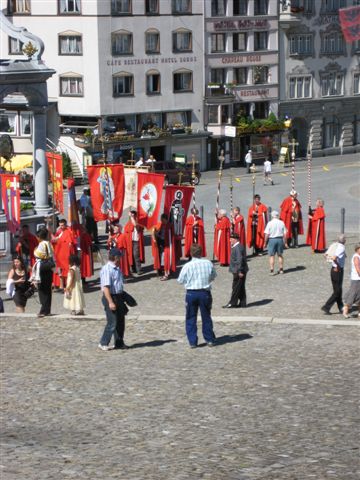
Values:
[(240, 24)]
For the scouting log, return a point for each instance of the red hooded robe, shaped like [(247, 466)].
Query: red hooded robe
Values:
[(286, 209), (222, 241), (169, 248), (63, 248), (128, 232), (189, 234), (239, 228), (87, 260), (316, 230), (260, 235)]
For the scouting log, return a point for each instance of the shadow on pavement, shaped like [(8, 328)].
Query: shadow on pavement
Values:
[(233, 338), (153, 343), (294, 269), (258, 303)]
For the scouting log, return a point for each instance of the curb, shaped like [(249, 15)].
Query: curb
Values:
[(180, 318)]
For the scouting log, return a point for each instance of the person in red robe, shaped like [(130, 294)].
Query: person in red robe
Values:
[(222, 248), (117, 239), (26, 246), (238, 225), (163, 247), (291, 215), (316, 228), (134, 234), (194, 233), (87, 259), (256, 223), (64, 243)]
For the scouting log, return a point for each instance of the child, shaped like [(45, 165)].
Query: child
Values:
[(267, 172), (74, 297)]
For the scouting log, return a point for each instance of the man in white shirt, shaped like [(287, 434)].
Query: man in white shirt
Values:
[(267, 172), (248, 161), (336, 275), (275, 237)]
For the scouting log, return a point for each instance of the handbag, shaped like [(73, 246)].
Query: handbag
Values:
[(47, 264)]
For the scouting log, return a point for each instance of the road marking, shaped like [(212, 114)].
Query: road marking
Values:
[(325, 168)]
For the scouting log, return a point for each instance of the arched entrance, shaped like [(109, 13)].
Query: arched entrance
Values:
[(299, 128)]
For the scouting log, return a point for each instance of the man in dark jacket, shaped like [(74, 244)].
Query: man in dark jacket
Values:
[(239, 268)]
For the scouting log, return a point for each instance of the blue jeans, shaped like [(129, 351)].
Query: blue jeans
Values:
[(115, 322), (193, 300)]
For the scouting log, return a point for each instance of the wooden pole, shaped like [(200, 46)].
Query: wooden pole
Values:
[(309, 165), (193, 178), (253, 225)]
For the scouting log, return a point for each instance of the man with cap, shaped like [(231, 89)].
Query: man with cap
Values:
[(239, 268), (248, 160), (112, 286), (275, 237), (291, 215)]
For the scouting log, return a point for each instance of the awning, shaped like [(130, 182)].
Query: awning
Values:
[(18, 162)]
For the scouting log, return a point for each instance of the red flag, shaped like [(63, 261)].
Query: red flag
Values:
[(10, 194), (73, 213), (150, 187), (107, 190), (350, 23), (176, 206), (55, 164)]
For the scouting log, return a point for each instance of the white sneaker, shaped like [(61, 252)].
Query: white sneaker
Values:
[(105, 348)]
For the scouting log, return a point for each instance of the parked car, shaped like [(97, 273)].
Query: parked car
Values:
[(172, 171)]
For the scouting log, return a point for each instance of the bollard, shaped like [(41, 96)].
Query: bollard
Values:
[(342, 225), (202, 211)]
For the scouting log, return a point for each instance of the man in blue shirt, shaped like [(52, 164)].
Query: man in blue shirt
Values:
[(197, 276), (112, 286)]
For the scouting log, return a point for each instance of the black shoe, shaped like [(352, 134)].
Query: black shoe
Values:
[(210, 344), (121, 346), (229, 306), (325, 310), (193, 346)]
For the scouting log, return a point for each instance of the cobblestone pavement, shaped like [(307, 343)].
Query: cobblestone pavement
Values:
[(270, 402), (299, 293)]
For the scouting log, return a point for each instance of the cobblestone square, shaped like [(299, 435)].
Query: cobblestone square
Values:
[(269, 402)]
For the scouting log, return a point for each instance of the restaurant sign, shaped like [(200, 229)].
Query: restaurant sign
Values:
[(240, 25)]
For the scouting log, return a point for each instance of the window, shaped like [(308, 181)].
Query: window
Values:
[(71, 86), (218, 8), (123, 84), (121, 43), (332, 43), (356, 130), (69, 6), (300, 87), (183, 81), (331, 132), (8, 122), (240, 7), (15, 46), (260, 40), (152, 83), (357, 84), (332, 6), (241, 75), (18, 6), (217, 42), (260, 7), (149, 120), (70, 45), (261, 110), (151, 7), (152, 41), (182, 41), (239, 42), (301, 44), (260, 74), (25, 123), (217, 75), (181, 6), (120, 7), (332, 84), (305, 6), (213, 114)]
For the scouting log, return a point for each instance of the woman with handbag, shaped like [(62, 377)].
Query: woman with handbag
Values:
[(19, 276), (42, 274)]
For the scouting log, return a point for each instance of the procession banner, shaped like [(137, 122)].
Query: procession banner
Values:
[(150, 186), (55, 165), (73, 214), (107, 188), (130, 199), (10, 194), (176, 206), (350, 23)]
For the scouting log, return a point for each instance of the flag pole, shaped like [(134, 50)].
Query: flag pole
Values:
[(193, 178), (221, 160), (254, 223), (309, 165)]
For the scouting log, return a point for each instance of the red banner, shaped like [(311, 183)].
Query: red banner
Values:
[(55, 164), (149, 189), (107, 190), (350, 23), (10, 195), (73, 213), (176, 206)]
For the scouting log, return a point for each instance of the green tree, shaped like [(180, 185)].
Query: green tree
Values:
[(67, 170)]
